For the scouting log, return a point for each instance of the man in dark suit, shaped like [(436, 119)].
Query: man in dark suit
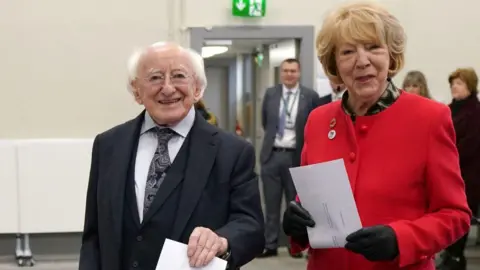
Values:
[(169, 174), (337, 93), (285, 110)]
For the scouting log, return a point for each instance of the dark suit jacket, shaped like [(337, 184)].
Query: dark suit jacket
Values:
[(326, 99), (466, 119), (219, 190), (308, 100)]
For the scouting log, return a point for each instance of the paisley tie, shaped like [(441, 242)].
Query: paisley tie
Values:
[(160, 162)]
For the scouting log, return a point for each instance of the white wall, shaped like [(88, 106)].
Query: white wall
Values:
[(63, 71), (216, 95)]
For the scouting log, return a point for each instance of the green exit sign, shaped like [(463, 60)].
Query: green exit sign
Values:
[(249, 8)]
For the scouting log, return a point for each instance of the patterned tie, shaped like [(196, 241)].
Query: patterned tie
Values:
[(283, 115), (160, 162)]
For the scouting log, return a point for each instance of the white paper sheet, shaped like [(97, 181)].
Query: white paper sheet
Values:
[(324, 191), (174, 257)]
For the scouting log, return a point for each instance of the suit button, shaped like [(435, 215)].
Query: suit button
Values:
[(135, 264), (423, 257), (139, 238), (363, 129), (352, 156)]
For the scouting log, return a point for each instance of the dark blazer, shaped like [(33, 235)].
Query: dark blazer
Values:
[(308, 100), (466, 120), (326, 99), (218, 190)]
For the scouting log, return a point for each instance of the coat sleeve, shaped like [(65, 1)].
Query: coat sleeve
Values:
[(294, 246), (245, 228), (447, 217), (90, 250)]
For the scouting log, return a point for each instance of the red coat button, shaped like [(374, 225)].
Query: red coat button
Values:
[(352, 156), (363, 128), (423, 257)]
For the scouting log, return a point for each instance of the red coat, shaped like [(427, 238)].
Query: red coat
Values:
[(404, 172)]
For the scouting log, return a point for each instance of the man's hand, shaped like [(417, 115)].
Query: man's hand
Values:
[(296, 219), (204, 245), (377, 243)]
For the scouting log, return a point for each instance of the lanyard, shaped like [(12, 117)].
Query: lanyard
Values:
[(285, 104)]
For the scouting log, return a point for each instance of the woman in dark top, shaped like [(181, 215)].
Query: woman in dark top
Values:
[(202, 109), (465, 109)]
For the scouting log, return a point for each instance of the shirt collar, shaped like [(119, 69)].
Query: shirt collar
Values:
[(389, 96), (294, 90), (338, 95), (182, 128)]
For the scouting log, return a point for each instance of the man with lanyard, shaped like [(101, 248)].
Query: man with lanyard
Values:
[(285, 109)]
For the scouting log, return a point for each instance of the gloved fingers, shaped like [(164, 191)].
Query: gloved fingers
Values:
[(362, 233), (371, 254), (298, 210), (302, 221), (360, 245)]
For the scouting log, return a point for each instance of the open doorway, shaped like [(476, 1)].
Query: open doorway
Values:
[(242, 46)]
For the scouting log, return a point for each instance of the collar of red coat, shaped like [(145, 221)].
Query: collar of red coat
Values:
[(389, 96)]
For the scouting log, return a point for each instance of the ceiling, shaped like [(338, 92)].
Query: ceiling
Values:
[(240, 46)]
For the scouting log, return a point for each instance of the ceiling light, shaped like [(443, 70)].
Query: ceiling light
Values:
[(210, 51), (217, 42)]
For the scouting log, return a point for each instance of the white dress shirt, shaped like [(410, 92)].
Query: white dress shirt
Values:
[(289, 136), (337, 96), (147, 145)]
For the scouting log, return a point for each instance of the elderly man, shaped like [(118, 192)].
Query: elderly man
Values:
[(169, 174)]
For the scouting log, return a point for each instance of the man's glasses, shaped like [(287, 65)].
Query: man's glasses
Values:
[(177, 79)]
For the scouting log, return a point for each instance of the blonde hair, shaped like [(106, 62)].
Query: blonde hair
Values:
[(360, 22), (418, 79), (468, 76)]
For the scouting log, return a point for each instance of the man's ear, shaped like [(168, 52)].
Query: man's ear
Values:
[(135, 92), (197, 95), (197, 92)]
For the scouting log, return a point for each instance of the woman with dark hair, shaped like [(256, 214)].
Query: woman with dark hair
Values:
[(209, 116), (465, 109)]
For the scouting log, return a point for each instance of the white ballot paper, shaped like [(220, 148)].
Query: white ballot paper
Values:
[(174, 257), (324, 191)]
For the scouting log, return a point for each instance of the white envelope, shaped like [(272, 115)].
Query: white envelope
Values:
[(174, 257)]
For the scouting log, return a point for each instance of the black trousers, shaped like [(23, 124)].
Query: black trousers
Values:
[(457, 249)]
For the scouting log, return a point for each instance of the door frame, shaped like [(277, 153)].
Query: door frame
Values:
[(305, 34)]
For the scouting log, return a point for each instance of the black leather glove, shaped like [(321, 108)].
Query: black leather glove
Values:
[(295, 222), (376, 243)]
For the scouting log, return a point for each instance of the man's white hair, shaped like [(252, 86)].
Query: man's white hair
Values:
[(195, 58)]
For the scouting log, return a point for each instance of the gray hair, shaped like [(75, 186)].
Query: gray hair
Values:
[(195, 58)]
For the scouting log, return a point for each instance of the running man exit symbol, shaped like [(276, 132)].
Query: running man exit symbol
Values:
[(249, 8)]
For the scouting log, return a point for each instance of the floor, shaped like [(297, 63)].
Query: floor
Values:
[(283, 262)]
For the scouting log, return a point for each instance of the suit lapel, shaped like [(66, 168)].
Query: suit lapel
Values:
[(275, 103), (302, 103), (117, 173), (203, 149)]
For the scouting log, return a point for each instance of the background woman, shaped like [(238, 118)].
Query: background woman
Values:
[(209, 116), (465, 109), (415, 82), (398, 148)]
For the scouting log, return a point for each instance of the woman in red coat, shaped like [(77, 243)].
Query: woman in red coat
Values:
[(399, 152)]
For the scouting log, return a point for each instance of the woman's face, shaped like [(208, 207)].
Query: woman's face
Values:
[(459, 89), (363, 68)]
